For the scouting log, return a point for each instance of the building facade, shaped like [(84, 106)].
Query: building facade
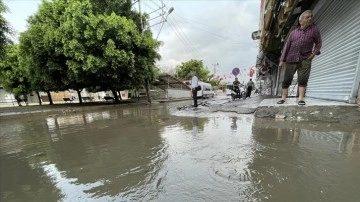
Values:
[(335, 73)]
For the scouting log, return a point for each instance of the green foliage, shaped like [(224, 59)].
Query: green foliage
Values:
[(41, 50), (215, 82), (4, 29), (91, 43), (184, 70), (107, 48), (12, 76)]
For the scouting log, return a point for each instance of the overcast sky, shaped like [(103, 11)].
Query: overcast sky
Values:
[(217, 32)]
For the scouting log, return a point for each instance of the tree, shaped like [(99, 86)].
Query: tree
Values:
[(215, 82), (41, 51), (13, 78), (107, 48), (183, 71), (4, 29), (87, 44)]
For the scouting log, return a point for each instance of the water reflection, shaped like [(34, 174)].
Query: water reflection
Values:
[(304, 162), (101, 154), (145, 154), (233, 123), (195, 126), (347, 143)]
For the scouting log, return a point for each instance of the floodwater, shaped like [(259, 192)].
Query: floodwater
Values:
[(146, 154)]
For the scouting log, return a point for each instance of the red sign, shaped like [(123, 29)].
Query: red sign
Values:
[(252, 71)]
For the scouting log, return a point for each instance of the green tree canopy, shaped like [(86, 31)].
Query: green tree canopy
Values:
[(184, 70), (214, 82), (89, 43), (108, 48), (12, 76), (4, 29), (41, 52)]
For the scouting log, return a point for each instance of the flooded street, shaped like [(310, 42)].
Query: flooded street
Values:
[(149, 154)]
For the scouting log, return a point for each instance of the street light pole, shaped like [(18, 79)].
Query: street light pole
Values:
[(170, 11)]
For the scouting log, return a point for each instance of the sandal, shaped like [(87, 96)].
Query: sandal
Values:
[(301, 102), (281, 102)]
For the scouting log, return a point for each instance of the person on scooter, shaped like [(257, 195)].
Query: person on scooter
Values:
[(236, 88)]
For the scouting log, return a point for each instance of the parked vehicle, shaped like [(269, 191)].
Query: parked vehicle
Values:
[(206, 91)]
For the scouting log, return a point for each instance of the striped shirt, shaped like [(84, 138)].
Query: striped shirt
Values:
[(301, 43)]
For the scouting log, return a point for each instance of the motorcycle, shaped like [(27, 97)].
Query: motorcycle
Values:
[(234, 95)]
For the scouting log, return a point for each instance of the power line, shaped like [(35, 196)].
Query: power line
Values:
[(186, 38), (182, 40), (181, 30), (212, 34)]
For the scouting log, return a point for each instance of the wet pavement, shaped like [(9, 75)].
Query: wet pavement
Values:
[(173, 152)]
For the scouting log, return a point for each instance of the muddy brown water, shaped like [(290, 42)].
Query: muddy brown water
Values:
[(147, 154)]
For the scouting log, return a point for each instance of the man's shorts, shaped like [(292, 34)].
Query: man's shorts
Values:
[(303, 68)]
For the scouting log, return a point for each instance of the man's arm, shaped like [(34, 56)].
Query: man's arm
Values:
[(318, 43)]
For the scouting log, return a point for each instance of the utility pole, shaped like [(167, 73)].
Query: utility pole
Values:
[(142, 29), (164, 20), (216, 65), (147, 84), (141, 22)]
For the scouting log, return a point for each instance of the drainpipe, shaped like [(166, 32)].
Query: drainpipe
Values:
[(277, 81)]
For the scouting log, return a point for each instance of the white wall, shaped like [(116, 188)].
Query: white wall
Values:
[(178, 93), (6, 97), (124, 94)]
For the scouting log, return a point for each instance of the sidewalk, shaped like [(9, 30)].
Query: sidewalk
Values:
[(314, 110)]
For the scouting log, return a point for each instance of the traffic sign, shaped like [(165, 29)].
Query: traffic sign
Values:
[(235, 71)]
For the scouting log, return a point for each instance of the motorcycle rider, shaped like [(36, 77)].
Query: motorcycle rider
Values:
[(236, 88)]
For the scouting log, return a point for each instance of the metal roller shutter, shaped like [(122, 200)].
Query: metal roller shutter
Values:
[(335, 72)]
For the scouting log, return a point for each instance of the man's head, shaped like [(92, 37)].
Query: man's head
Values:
[(250, 79), (305, 18), (236, 78), (193, 73)]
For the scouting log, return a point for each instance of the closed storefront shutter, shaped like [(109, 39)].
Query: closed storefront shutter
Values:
[(335, 72)]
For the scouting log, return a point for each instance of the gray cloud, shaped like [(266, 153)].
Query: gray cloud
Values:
[(220, 32)]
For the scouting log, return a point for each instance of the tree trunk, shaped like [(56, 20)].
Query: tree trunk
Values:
[(38, 95), (50, 98), (147, 91), (79, 95), (115, 96)]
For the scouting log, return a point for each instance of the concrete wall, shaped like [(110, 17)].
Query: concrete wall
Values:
[(6, 97), (178, 93)]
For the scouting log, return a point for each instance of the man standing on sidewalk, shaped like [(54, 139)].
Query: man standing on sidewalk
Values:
[(300, 48), (194, 86)]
